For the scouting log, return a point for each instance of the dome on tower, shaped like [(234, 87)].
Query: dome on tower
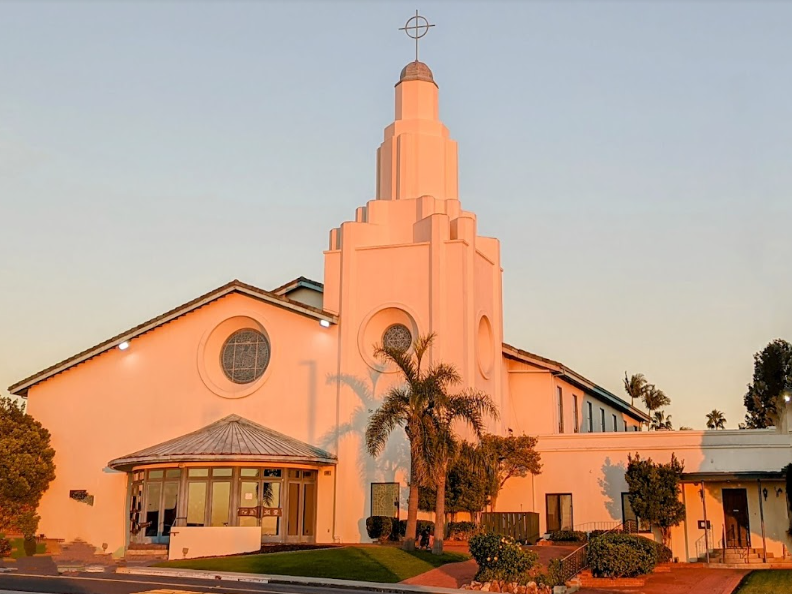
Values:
[(416, 71)]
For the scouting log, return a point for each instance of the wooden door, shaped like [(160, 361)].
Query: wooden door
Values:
[(735, 512)]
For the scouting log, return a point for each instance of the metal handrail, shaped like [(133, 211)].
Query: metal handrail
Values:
[(577, 560)]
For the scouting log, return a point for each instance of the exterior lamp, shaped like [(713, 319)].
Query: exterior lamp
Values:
[(124, 345), (324, 323)]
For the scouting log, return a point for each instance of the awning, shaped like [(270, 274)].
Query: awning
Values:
[(231, 439), (748, 475)]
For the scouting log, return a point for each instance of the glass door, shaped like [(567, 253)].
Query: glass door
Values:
[(301, 506)]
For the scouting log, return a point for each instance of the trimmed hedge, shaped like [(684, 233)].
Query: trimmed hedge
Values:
[(420, 527), (622, 555), (568, 536), (379, 527), (461, 530), (502, 558)]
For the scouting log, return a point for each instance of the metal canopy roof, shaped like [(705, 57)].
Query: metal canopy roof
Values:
[(231, 439)]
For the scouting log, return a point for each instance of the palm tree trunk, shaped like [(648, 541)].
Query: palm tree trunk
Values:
[(439, 529), (412, 514)]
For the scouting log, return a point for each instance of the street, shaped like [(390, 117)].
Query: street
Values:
[(129, 584)]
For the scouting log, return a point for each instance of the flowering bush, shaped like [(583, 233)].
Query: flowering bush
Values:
[(501, 558)]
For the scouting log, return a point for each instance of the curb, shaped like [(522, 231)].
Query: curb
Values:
[(284, 579)]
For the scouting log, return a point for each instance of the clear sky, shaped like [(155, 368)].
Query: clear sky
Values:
[(634, 159)]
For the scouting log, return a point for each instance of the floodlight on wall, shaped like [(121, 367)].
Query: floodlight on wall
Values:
[(124, 345), (324, 323), (764, 492), (787, 393)]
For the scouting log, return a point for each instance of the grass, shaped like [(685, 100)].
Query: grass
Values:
[(18, 548), (766, 581), (387, 564)]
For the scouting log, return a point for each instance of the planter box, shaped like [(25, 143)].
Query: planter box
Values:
[(592, 582)]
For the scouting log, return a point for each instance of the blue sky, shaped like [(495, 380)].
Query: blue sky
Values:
[(633, 159)]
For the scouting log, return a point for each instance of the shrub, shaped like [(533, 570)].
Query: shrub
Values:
[(554, 576), (501, 558), (420, 526), (29, 544), (663, 553), (5, 547), (621, 555), (379, 527), (596, 533), (567, 536), (461, 530)]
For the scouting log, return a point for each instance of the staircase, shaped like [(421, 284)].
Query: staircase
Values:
[(146, 551), (743, 556)]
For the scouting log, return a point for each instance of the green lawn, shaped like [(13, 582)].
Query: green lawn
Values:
[(18, 549), (766, 581), (370, 564)]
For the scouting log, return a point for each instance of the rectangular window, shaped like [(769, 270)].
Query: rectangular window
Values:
[(558, 511), (615, 426), (385, 499), (560, 410), (221, 502), (632, 523), (602, 420), (248, 497), (196, 504), (576, 421), (590, 417)]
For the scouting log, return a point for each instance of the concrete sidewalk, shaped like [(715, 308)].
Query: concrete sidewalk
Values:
[(284, 579)]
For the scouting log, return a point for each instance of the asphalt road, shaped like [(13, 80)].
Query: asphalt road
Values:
[(129, 584)]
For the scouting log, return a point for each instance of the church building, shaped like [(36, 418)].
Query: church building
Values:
[(238, 418)]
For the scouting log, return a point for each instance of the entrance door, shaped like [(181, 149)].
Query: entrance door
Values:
[(735, 512), (301, 506), (161, 502)]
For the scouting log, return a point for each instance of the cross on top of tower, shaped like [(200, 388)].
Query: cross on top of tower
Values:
[(416, 27)]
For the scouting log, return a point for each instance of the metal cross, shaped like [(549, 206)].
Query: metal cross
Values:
[(416, 27)]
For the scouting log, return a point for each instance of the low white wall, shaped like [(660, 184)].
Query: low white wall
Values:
[(215, 541)]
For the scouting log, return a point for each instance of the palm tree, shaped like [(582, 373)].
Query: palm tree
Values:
[(660, 422), (410, 406), (635, 386), (716, 420), (469, 407), (654, 398)]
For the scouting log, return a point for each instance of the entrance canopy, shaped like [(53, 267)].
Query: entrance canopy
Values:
[(760, 475), (231, 439)]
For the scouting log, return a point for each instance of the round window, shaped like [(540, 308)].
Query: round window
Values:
[(245, 356), (397, 337)]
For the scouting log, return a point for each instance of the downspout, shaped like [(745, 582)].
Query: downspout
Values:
[(761, 517)]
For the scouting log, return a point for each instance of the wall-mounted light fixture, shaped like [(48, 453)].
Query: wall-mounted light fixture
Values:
[(123, 346), (764, 492), (324, 323), (779, 490)]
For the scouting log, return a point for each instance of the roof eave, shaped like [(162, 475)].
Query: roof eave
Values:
[(20, 388), (127, 463)]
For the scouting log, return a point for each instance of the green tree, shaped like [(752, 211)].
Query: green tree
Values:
[(654, 492), (716, 420), (635, 386), (660, 422), (26, 467), (654, 398), (468, 484), (409, 405), (469, 407), (772, 375), (509, 456)]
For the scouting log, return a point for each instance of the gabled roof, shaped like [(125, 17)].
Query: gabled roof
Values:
[(297, 283), (574, 378), (20, 388), (231, 439)]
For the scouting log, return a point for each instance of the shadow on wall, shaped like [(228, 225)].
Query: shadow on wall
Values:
[(612, 485), (394, 458)]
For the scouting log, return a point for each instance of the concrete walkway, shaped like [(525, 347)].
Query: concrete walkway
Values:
[(682, 579)]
